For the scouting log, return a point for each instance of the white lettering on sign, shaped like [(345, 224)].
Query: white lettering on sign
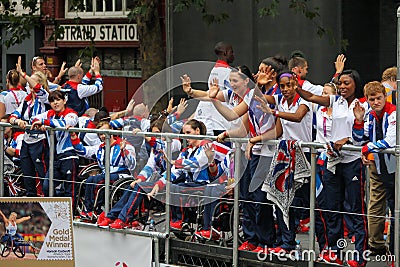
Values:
[(99, 32)]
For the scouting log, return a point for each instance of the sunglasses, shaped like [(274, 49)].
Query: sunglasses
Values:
[(34, 59)]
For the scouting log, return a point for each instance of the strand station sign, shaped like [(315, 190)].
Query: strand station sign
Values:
[(99, 32)]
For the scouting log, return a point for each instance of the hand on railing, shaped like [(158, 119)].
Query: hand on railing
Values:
[(38, 126), (153, 192), (221, 137)]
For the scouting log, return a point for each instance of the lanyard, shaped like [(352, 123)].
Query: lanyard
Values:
[(15, 96)]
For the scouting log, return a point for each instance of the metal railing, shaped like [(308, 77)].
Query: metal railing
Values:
[(168, 137)]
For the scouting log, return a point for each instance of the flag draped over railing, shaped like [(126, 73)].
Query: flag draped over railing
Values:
[(289, 170)]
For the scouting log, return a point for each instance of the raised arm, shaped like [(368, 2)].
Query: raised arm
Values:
[(339, 64), (31, 81), (231, 114), (264, 77), (310, 97), (198, 94), (23, 219), (5, 220), (62, 72)]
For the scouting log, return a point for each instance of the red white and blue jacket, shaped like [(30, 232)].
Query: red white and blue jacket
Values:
[(365, 131), (120, 160), (78, 93), (30, 107), (191, 164), (156, 162), (64, 148), (88, 139), (16, 143)]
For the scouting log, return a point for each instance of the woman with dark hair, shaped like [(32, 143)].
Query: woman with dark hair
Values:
[(258, 223), (66, 159), (347, 182), (191, 168), (233, 95), (277, 63), (241, 82), (296, 125)]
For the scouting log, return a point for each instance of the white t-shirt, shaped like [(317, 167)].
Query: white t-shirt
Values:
[(205, 111), (323, 124), (232, 100), (259, 124), (342, 123), (315, 89), (295, 130), (13, 99), (2, 95)]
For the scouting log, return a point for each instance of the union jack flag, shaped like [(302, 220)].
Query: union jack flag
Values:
[(14, 185), (285, 165), (289, 170)]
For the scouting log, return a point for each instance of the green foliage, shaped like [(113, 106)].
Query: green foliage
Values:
[(18, 26), (201, 6), (271, 10), (265, 8)]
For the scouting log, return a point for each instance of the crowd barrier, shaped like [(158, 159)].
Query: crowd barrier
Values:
[(168, 137)]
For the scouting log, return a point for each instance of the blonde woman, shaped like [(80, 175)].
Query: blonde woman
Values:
[(11, 225), (34, 152)]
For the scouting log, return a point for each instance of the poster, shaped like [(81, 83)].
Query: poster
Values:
[(36, 232), (103, 247)]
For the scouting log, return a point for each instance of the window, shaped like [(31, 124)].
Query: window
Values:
[(95, 8), (116, 62)]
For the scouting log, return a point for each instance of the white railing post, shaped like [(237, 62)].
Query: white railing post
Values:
[(237, 159), (107, 175), (51, 164)]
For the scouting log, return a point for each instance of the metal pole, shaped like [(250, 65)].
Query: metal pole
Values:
[(235, 256), (168, 198), (311, 233), (169, 41), (397, 179), (2, 162), (51, 164), (156, 252), (107, 175)]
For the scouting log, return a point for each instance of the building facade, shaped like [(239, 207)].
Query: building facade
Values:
[(103, 30)]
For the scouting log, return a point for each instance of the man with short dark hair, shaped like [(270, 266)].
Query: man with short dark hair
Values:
[(205, 111)]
